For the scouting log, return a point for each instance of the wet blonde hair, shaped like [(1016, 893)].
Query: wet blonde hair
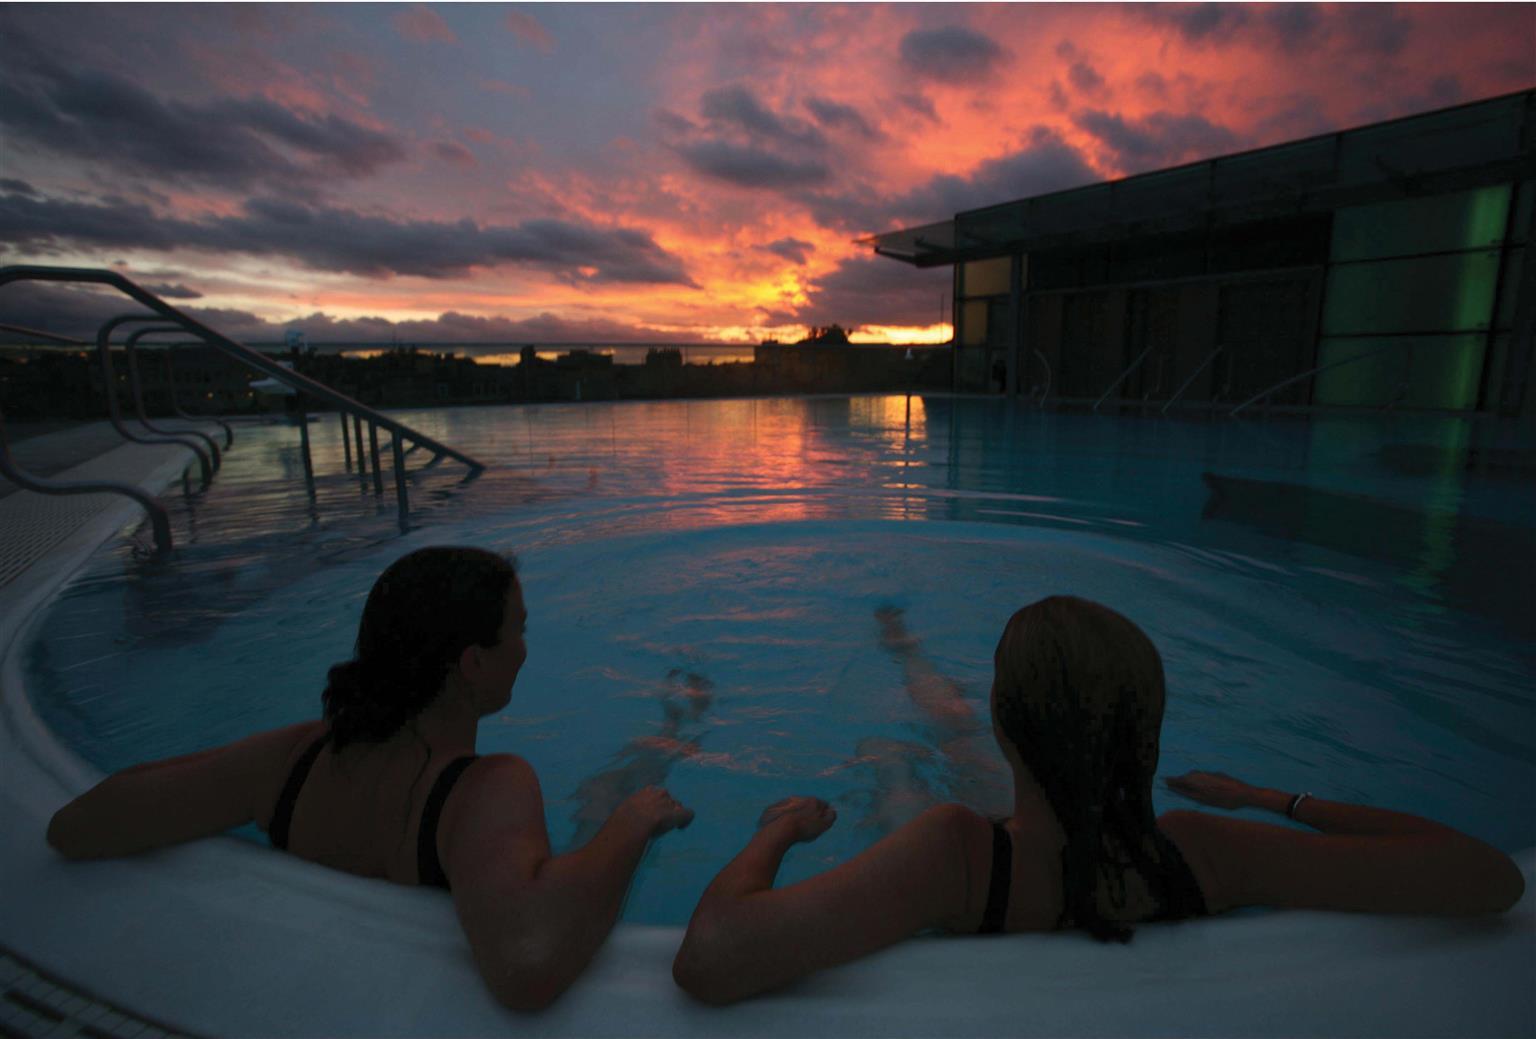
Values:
[(1078, 691)]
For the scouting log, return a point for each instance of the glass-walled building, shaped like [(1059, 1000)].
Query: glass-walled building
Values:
[(1383, 265)]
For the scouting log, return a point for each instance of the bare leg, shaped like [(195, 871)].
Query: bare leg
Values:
[(976, 772), (645, 760)]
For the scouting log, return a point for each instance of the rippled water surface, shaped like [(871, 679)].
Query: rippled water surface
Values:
[(746, 599)]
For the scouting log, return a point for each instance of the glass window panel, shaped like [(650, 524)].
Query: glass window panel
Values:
[(988, 277), (971, 370), (1427, 294), (1509, 288), (1525, 197), (1464, 220), (1415, 372), (999, 325), (973, 322)]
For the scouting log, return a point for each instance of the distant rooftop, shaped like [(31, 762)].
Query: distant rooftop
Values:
[(1464, 146)]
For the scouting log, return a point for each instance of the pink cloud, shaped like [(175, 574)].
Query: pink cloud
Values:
[(423, 25), (525, 28)]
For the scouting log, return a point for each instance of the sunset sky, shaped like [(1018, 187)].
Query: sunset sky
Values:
[(552, 172)]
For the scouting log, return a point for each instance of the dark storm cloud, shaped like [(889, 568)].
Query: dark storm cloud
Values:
[(953, 54), (1044, 164), (736, 106), (835, 115), (750, 167), (1374, 28), (1379, 28), (792, 249), (33, 221), (100, 118), (1199, 22), (177, 291), (671, 122), (1159, 139), (919, 105), (454, 152), (872, 290), (62, 310), (78, 312), (19, 187), (325, 238), (1084, 78)]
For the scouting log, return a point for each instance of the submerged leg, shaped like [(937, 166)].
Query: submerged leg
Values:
[(645, 760)]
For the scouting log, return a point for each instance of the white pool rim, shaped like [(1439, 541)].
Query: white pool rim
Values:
[(222, 937)]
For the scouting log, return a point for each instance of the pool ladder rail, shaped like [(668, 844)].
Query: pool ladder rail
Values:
[(174, 322)]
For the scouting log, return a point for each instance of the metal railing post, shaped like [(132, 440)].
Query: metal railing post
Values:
[(1310, 371), (114, 415), (373, 447), (309, 465), (1208, 359), (357, 436), (402, 497), (130, 347), (1131, 368), (247, 356), (346, 441), (176, 408), (159, 523)]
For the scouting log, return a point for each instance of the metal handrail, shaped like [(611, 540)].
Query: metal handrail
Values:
[(1208, 359), (179, 411), (302, 384), (242, 353), (114, 414), (137, 390), (1047, 391), (170, 383), (1310, 371), (159, 522), (1121, 378)]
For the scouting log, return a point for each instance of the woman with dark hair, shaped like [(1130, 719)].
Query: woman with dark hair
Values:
[(387, 783), (1077, 706)]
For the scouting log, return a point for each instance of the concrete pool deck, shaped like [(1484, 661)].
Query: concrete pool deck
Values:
[(222, 937)]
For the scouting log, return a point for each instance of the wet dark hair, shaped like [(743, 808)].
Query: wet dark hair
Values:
[(422, 613), (1079, 692)]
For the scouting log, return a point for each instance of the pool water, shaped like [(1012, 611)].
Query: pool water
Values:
[(755, 598)]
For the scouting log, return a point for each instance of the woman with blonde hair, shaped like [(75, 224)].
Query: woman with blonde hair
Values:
[(1077, 709)]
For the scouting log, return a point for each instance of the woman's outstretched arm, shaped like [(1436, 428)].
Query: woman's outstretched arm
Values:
[(534, 920), (745, 937), (177, 799), (1365, 859)]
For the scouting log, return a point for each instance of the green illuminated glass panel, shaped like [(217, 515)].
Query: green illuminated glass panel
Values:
[(1416, 372), (1464, 220), (1426, 294), (987, 277)]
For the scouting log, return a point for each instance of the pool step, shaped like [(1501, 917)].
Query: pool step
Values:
[(37, 1005)]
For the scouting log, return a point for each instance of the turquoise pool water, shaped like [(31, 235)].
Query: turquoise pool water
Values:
[(1341, 603)]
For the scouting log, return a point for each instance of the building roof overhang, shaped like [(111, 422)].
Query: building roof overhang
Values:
[(1467, 146)]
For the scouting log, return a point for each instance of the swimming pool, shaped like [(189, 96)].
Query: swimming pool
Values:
[(1338, 603)]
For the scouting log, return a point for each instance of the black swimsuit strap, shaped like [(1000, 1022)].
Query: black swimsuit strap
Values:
[(1002, 875), (428, 869), (282, 815)]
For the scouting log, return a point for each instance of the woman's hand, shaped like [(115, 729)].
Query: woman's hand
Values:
[(658, 810), (1216, 789), (806, 817)]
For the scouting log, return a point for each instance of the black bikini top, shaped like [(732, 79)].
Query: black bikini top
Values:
[(429, 871), (1182, 896)]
